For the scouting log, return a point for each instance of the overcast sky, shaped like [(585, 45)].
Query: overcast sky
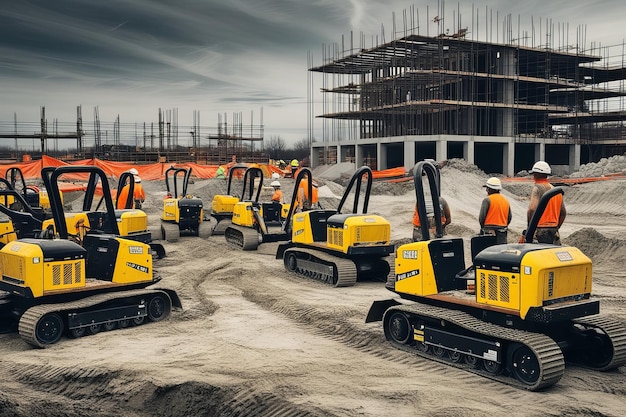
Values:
[(130, 58)]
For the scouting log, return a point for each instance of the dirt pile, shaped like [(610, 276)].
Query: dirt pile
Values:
[(615, 164)]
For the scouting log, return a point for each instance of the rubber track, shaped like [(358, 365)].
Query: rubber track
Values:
[(547, 351), (172, 231), (244, 238), (346, 269), (616, 331), (220, 226), (28, 321)]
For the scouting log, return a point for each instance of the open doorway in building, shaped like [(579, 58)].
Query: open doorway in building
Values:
[(524, 156), (455, 150), (425, 150), (489, 157), (395, 155), (369, 156)]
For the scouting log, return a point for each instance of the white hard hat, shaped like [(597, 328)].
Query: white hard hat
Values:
[(493, 183), (275, 176), (541, 167), (133, 171), (275, 184)]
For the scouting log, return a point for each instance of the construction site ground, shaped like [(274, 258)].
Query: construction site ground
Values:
[(254, 340)]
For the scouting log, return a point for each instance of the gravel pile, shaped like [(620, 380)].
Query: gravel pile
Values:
[(615, 164)]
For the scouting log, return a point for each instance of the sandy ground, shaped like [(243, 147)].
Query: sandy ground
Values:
[(254, 340)]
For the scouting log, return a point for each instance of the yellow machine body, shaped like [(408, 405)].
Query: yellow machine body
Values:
[(512, 277), (342, 231), (414, 270), (44, 199), (7, 232), (129, 222), (545, 277), (170, 210), (44, 267), (223, 204), (243, 214)]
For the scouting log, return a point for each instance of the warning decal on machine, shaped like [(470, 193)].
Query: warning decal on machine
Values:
[(141, 268)]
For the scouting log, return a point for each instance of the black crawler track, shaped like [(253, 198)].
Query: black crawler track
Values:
[(28, 324), (244, 238), (318, 265), (549, 357)]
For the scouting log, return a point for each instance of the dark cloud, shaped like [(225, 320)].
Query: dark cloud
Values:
[(212, 55)]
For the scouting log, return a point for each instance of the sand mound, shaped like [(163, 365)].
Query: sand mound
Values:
[(597, 246)]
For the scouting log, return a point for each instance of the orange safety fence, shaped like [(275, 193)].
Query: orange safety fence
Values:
[(148, 172), (568, 181), (155, 171), (391, 173)]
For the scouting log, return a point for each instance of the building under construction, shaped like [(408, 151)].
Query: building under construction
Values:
[(499, 104)]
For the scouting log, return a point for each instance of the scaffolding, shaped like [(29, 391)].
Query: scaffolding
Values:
[(529, 85), (164, 140)]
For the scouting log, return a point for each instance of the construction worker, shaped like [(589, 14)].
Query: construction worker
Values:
[(495, 212), (221, 172), (446, 218), (554, 213), (139, 195), (277, 197), (303, 200)]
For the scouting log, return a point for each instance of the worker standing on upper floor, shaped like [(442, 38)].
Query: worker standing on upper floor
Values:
[(495, 212)]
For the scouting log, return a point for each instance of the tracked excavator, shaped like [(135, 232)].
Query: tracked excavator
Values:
[(222, 204), (21, 219), (531, 309), (36, 198), (55, 287), (254, 223), (338, 248), (183, 214), (130, 223)]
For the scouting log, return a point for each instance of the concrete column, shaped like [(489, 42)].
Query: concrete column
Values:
[(358, 155), (468, 151), (381, 156), (508, 158), (340, 156), (574, 158), (316, 153), (441, 150), (540, 152), (409, 155)]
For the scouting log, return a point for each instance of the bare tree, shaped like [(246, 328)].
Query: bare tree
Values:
[(275, 147), (301, 150)]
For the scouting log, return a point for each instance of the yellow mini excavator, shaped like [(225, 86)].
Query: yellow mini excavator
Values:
[(254, 223), (339, 248), (130, 223), (182, 212), (55, 287), (222, 204), (530, 311), (35, 197)]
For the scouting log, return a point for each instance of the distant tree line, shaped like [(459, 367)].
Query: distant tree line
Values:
[(277, 149)]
